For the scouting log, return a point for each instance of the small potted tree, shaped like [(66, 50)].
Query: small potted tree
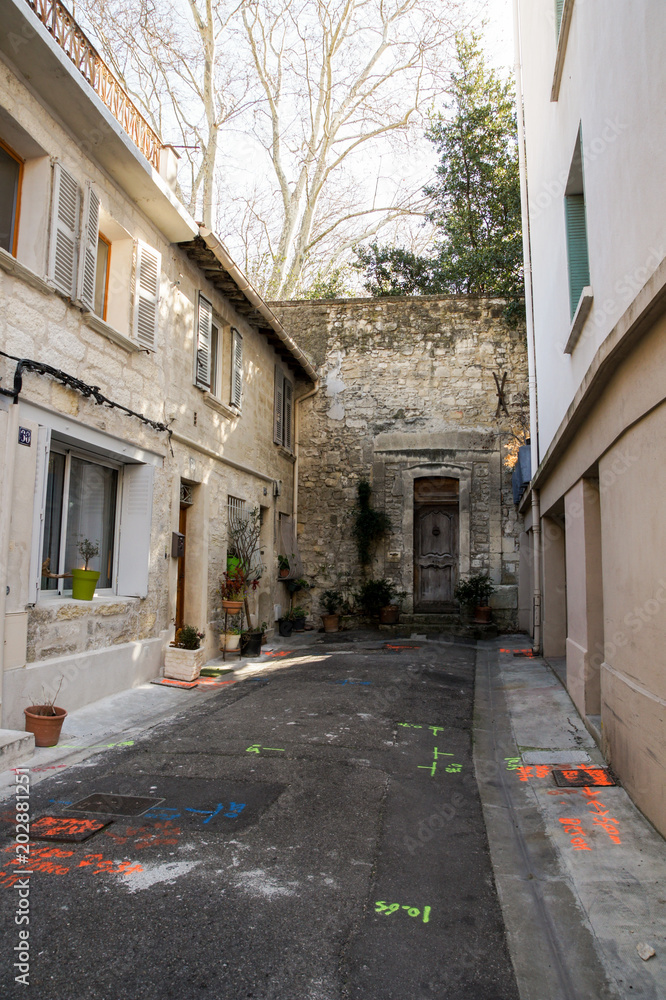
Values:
[(45, 721), (85, 580), (475, 593), (331, 601), (184, 657)]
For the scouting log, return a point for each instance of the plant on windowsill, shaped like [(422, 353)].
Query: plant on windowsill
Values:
[(85, 580), (184, 657), (283, 566), (475, 593), (331, 601), (45, 721)]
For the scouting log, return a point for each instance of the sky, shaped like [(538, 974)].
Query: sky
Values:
[(499, 33)]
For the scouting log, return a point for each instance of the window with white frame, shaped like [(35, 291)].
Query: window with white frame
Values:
[(79, 261), (86, 495), (11, 174), (219, 355), (283, 408), (81, 503)]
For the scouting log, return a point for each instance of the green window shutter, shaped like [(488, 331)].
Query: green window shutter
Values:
[(559, 4), (579, 267)]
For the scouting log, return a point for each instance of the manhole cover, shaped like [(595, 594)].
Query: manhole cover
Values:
[(555, 757), (583, 777), (116, 805), (66, 829)]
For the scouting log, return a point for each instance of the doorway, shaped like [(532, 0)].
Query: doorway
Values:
[(436, 522)]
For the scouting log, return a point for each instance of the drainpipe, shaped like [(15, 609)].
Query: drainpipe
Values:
[(5, 525), (531, 340), (297, 438)]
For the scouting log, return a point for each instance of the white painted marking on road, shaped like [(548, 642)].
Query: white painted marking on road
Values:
[(153, 874)]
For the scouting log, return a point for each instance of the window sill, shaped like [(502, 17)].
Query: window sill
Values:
[(580, 316), (59, 600), (285, 453), (11, 265), (99, 326), (220, 407), (565, 24)]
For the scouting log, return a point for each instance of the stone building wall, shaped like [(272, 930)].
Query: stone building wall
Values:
[(407, 391)]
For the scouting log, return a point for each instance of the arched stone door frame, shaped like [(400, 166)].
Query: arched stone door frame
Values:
[(449, 471)]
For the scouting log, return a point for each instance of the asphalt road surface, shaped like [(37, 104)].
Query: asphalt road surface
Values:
[(315, 833)]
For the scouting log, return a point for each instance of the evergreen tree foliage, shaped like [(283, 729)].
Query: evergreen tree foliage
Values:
[(475, 197)]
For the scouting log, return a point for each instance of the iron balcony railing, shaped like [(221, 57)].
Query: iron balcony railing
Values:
[(60, 23)]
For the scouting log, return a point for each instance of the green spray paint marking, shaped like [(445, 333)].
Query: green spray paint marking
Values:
[(412, 911)]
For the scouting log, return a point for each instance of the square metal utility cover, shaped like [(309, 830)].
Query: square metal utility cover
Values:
[(116, 805), (583, 777), (66, 828)]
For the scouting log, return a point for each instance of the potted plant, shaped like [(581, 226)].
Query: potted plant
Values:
[(251, 642), (285, 626), (184, 657), (295, 585), (45, 721), (85, 580), (297, 616), (331, 601), (233, 591), (283, 566), (475, 593), (230, 640), (375, 597)]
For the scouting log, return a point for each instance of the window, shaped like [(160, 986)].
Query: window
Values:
[(283, 409), (210, 369), (79, 263), (559, 6), (576, 229), (81, 500), (11, 174)]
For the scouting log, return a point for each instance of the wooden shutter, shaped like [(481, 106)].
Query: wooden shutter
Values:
[(288, 412), (278, 406), (39, 512), (579, 268), (146, 294), (236, 368), (85, 291), (204, 336), (135, 524), (64, 229)]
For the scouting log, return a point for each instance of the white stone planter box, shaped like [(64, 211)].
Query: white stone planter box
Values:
[(183, 664)]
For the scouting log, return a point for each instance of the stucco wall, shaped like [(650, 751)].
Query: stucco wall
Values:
[(407, 390)]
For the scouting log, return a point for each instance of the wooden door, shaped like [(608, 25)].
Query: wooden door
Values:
[(180, 589), (436, 514)]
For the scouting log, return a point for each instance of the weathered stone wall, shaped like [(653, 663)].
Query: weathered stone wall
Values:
[(407, 390)]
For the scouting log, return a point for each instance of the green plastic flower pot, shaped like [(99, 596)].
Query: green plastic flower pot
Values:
[(84, 582)]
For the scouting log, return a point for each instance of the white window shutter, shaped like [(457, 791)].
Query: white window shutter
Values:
[(135, 523), (64, 230), (146, 294), (85, 291), (288, 410), (204, 335), (236, 368), (39, 512), (278, 410)]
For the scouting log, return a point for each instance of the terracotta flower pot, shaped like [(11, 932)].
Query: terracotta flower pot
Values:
[(331, 622), (284, 573), (233, 607), (183, 664), (46, 728), (84, 582)]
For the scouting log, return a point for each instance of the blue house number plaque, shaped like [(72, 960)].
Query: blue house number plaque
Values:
[(25, 436)]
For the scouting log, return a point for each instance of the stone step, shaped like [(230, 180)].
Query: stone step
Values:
[(15, 748)]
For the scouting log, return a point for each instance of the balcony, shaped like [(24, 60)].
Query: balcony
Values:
[(66, 32)]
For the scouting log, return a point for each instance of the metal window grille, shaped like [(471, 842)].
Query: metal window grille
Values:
[(186, 498)]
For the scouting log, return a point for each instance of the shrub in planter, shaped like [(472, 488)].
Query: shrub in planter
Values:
[(375, 595), (184, 657), (475, 593), (331, 601), (297, 616)]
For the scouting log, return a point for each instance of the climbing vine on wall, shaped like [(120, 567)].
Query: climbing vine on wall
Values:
[(369, 524)]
